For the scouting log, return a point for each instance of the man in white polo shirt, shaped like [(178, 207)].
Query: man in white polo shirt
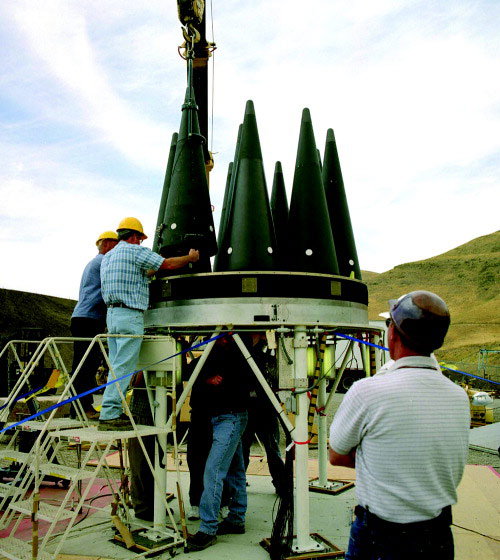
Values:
[(406, 431)]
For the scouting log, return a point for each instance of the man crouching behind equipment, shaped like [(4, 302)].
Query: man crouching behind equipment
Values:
[(406, 431)]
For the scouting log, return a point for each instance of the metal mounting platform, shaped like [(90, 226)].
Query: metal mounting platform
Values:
[(257, 298), (322, 548), (151, 540), (331, 486)]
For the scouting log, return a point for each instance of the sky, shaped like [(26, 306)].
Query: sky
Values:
[(91, 92)]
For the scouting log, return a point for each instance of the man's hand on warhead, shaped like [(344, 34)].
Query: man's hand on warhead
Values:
[(194, 254)]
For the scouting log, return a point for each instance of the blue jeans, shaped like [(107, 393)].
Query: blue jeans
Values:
[(225, 462), (263, 422), (378, 540), (123, 355)]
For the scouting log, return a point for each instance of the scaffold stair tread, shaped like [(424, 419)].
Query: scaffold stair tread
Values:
[(93, 434), (16, 549), (13, 455), (63, 471), (54, 424), (7, 489), (47, 512)]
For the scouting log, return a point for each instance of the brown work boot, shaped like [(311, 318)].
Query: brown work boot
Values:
[(120, 424), (92, 414), (201, 540)]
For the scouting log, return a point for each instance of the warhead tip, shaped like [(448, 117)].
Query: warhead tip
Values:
[(249, 108), (306, 115)]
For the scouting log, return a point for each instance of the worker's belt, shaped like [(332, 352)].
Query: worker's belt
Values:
[(444, 519), (125, 306)]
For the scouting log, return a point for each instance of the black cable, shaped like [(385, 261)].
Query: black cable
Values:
[(477, 532), (316, 383), (340, 358), (282, 533)]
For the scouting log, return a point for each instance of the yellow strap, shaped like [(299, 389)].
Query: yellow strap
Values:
[(317, 374), (53, 381)]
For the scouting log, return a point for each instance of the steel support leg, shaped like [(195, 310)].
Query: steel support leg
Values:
[(303, 541), (160, 515), (322, 435)]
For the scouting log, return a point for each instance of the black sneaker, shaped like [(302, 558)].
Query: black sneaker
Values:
[(200, 541), (120, 424), (227, 528)]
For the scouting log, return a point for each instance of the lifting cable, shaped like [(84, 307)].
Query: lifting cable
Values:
[(213, 47)]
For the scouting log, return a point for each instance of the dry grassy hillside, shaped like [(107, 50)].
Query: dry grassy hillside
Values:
[(467, 278), (22, 309)]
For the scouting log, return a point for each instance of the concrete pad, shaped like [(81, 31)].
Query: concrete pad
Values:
[(476, 517), (257, 466), (330, 517), (486, 437), (476, 521)]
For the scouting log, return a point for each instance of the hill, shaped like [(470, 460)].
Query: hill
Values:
[(19, 310), (467, 278)]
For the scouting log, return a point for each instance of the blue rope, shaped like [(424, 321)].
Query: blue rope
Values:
[(361, 341), (469, 374), (387, 350), (90, 391)]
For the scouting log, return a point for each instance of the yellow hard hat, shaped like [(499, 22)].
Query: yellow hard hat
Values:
[(132, 223), (107, 235)]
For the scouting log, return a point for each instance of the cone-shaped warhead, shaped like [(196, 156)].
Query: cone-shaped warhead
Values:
[(157, 243), (188, 213), (338, 208), (249, 241), (279, 211), (224, 216), (310, 246)]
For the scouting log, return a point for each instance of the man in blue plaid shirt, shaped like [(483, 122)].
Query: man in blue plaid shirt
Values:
[(124, 284)]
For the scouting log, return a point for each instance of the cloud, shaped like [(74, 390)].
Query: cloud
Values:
[(58, 37), (91, 92)]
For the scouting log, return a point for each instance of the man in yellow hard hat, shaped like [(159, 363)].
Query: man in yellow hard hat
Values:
[(125, 289), (88, 320)]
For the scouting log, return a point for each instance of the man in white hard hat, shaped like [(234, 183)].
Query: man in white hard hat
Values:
[(406, 432), (88, 320), (124, 281)]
